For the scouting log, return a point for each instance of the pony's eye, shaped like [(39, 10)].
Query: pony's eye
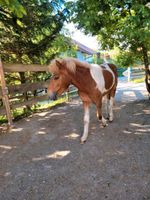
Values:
[(56, 77)]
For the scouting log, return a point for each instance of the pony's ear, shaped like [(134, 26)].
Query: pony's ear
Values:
[(59, 64)]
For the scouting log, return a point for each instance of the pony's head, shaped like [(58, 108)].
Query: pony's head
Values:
[(60, 79)]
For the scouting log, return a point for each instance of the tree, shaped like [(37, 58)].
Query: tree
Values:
[(34, 37), (31, 32), (124, 24), (13, 6)]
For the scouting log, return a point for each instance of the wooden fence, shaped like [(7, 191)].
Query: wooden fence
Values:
[(133, 73), (12, 95), (137, 72)]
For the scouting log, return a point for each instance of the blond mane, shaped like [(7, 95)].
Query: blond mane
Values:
[(70, 63)]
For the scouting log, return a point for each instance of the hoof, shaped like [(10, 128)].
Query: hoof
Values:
[(110, 119), (82, 141), (104, 125)]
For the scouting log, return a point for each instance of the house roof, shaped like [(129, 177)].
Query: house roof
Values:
[(83, 48)]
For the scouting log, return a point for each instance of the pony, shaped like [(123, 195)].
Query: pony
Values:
[(93, 82)]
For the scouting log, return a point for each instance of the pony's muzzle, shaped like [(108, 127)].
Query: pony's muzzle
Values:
[(53, 96)]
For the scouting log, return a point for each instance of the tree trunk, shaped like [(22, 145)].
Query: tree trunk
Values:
[(147, 69)]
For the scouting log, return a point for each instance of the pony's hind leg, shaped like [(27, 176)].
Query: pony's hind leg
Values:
[(109, 107), (110, 104), (99, 113)]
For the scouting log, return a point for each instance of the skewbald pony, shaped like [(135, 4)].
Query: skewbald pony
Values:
[(93, 82)]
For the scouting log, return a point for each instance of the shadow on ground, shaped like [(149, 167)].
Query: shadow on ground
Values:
[(42, 157)]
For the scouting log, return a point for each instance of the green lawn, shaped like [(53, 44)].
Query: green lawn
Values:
[(139, 80)]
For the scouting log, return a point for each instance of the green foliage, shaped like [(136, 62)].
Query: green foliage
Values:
[(124, 24), (13, 6), (36, 37), (126, 59)]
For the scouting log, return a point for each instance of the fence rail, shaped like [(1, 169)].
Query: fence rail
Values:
[(24, 68), (25, 87)]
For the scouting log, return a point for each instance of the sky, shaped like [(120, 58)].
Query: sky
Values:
[(79, 36)]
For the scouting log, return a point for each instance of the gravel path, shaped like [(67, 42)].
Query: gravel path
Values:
[(42, 158)]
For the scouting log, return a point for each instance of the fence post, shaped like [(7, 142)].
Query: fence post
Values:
[(129, 74), (5, 98)]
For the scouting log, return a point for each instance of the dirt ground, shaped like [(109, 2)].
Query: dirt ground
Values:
[(42, 158)]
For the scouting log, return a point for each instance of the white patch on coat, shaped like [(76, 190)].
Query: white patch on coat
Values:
[(110, 70), (97, 74)]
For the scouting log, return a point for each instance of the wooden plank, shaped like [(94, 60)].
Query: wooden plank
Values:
[(22, 104), (22, 88), (4, 95), (24, 68), (30, 102)]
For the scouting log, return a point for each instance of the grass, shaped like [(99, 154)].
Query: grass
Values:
[(3, 119), (139, 80)]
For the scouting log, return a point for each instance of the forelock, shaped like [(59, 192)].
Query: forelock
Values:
[(53, 68), (70, 65)]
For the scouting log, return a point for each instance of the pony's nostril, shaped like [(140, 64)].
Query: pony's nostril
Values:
[(53, 96)]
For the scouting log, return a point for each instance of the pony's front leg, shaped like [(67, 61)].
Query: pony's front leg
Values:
[(86, 121)]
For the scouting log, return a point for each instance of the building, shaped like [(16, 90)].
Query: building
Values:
[(84, 52)]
